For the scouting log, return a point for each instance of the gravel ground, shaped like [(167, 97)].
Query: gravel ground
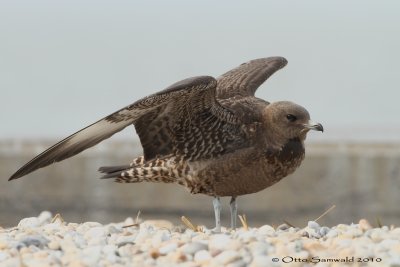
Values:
[(47, 241)]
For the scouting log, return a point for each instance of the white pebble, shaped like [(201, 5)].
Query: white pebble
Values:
[(219, 242), (4, 256), (168, 248), (238, 263), (192, 248), (266, 230), (53, 245), (160, 237), (51, 228), (332, 233), (227, 256), (91, 255), (258, 248), (202, 256), (95, 232), (261, 261), (113, 230), (31, 222), (45, 217)]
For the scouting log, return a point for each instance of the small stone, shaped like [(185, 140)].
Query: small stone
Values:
[(37, 241), (364, 225), (3, 245), (218, 242), (4, 256), (323, 231), (332, 233), (313, 225), (51, 228), (31, 222), (377, 235), (168, 248), (179, 256), (227, 256), (45, 217), (160, 237), (164, 224), (41, 254), (395, 262), (95, 232), (91, 255), (53, 245), (313, 246), (124, 243), (266, 230), (246, 237), (77, 263), (258, 248), (261, 261), (192, 248), (154, 253), (113, 230), (202, 256), (129, 221), (283, 227), (84, 227), (238, 263)]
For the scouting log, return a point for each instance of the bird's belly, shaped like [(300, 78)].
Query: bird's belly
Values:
[(235, 177)]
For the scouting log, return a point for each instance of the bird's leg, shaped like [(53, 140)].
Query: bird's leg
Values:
[(217, 211), (233, 205)]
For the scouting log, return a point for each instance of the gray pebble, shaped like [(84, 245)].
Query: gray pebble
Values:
[(34, 240), (313, 225), (323, 231), (283, 227)]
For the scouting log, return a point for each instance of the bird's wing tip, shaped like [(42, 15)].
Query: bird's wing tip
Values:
[(14, 177)]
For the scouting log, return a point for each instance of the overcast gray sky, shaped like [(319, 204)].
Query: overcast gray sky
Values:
[(65, 64)]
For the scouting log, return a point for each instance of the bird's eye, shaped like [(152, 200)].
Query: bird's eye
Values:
[(291, 117)]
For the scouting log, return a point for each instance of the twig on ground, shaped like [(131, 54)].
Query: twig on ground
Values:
[(288, 223), (57, 217), (136, 223), (378, 221), (190, 225), (243, 220), (326, 212)]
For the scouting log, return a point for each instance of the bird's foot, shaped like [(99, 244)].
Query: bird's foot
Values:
[(216, 230)]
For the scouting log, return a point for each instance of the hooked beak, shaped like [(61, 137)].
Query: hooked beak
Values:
[(311, 125)]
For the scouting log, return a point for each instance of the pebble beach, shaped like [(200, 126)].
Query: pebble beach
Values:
[(48, 240)]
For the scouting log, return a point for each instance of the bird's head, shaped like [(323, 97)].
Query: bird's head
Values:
[(285, 120)]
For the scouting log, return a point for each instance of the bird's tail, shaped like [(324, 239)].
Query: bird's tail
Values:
[(138, 171)]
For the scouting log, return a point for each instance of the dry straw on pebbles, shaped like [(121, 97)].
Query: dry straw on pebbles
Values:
[(39, 241)]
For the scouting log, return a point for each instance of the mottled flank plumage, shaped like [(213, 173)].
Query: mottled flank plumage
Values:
[(212, 136)]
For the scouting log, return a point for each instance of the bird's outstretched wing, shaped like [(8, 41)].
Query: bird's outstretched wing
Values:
[(246, 78), (188, 103)]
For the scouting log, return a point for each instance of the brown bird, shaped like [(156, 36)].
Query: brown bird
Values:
[(212, 136)]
